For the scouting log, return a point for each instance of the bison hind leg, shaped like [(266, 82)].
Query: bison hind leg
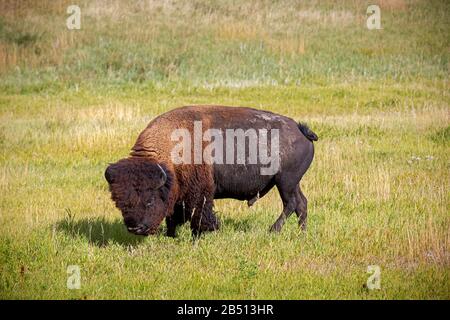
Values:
[(253, 200), (288, 194), (289, 205), (302, 209)]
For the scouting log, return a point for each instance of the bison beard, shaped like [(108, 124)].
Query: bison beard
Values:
[(149, 187)]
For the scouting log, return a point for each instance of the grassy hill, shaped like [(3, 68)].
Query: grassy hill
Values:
[(72, 101)]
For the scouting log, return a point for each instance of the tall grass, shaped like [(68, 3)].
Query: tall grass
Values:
[(219, 43)]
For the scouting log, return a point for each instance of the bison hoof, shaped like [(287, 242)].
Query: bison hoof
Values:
[(275, 228), (252, 200), (171, 234), (302, 226)]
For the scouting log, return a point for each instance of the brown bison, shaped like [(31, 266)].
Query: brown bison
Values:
[(192, 155)]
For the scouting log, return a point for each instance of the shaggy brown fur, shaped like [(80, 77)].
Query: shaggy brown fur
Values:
[(192, 189)]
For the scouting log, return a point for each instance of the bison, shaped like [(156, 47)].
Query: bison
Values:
[(176, 169)]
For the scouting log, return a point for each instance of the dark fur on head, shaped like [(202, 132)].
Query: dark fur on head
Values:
[(140, 188)]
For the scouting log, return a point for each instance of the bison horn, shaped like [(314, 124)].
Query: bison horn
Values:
[(163, 178)]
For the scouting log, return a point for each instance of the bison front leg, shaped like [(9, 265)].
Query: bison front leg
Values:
[(203, 218), (179, 217), (171, 227)]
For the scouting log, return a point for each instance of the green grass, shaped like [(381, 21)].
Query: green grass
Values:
[(73, 101)]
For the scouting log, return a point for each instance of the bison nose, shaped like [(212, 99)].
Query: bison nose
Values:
[(140, 229)]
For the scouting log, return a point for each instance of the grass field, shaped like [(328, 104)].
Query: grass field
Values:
[(72, 101)]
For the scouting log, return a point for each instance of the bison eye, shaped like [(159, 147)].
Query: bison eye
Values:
[(149, 203)]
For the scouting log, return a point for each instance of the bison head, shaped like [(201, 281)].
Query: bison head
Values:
[(140, 189)]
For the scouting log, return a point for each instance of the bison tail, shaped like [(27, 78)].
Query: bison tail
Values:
[(307, 132)]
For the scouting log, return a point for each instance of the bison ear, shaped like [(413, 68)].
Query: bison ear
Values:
[(109, 173)]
